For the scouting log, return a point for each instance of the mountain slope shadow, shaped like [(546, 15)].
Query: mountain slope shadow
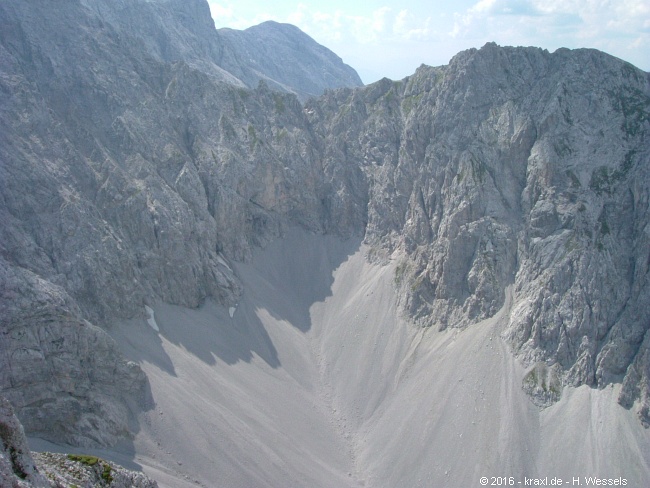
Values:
[(211, 334), (206, 332), (293, 273), (285, 279)]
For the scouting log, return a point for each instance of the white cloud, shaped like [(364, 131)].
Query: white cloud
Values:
[(221, 13), (407, 26), (591, 18), (225, 14), (392, 42), (505, 7), (298, 16), (378, 26), (379, 18), (616, 26), (338, 26)]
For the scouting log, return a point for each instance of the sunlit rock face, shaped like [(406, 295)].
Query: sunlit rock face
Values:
[(514, 166), (136, 168)]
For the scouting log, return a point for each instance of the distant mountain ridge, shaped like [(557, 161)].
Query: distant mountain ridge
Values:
[(137, 166), (183, 30), (286, 58)]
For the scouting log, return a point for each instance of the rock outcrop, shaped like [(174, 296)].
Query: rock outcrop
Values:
[(17, 467), (66, 375), (20, 468), (69, 470), (135, 175), (515, 166)]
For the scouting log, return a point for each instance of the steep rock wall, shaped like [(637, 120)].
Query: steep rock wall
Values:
[(514, 166)]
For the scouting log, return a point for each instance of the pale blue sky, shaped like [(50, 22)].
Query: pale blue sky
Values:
[(392, 38)]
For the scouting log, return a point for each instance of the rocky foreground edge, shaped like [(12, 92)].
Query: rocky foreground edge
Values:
[(20, 468)]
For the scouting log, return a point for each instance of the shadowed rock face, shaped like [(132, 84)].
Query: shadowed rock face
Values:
[(134, 168), (67, 376), (17, 466)]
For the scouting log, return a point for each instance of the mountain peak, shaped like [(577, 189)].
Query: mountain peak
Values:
[(287, 58)]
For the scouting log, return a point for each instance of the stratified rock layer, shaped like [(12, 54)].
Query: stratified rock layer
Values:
[(66, 375)]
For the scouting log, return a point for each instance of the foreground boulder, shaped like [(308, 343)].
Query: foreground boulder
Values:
[(17, 468)]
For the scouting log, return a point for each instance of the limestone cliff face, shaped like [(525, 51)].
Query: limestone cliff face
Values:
[(134, 171), (66, 375), (515, 167), (131, 173), (141, 168)]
